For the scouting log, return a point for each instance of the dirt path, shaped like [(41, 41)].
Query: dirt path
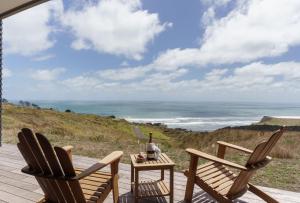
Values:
[(139, 134)]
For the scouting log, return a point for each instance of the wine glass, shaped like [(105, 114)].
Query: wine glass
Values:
[(142, 149)]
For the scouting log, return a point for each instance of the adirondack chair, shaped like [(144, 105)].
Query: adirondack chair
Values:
[(60, 182), (218, 181)]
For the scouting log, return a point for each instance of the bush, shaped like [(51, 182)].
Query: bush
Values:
[(68, 111)]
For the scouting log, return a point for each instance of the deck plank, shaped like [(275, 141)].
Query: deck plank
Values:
[(18, 187)]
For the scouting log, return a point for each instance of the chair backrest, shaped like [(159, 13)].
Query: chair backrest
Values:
[(257, 159), (50, 166)]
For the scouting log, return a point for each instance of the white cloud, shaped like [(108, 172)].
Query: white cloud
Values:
[(123, 73), (254, 30), (116, 27), (215, 2), (82, 82), (256, 81), (257, 77), (47, 74), (7, 73), (43, 57), (28, 32)]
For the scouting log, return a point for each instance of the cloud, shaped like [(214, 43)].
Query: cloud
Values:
[(124, 73), (115, 27), (257, 77), (257, 81), (47, 74), (128, 79), (215, 3), (7, 73), (43, 57), (82, 82), (251, 31), (29, 32)]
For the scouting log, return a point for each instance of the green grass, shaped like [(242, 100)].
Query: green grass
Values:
[(97, 136)]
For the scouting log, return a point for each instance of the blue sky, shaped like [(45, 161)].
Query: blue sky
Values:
[(200, 50)]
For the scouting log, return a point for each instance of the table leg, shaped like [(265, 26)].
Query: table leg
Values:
[(131, 178), (171, 184), (162, 174), (136, 186)]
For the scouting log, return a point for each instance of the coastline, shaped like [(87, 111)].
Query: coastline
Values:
[(195, 116), (267, 123)]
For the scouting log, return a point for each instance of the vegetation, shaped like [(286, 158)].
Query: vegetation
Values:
[(96, 136), (267, 120)]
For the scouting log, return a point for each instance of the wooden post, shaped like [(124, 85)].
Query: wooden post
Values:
[(191, 179)]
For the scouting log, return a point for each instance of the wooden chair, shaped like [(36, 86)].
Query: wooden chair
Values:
[(218, 181), (60, 182)]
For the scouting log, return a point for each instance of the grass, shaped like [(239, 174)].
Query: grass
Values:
[(280, 121), (97, 136)]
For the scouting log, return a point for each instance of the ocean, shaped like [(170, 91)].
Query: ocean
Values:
[(196, 116)]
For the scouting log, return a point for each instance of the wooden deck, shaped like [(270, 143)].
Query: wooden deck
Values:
[(17, 187)]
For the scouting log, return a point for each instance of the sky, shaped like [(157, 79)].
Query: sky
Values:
[(170, 50)]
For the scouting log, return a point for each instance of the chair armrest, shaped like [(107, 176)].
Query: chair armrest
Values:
[(112, 157), (248, 151), (109, 159), (239, 148), (215, 159)]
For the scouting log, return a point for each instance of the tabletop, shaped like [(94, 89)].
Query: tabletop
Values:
[(163, 160)]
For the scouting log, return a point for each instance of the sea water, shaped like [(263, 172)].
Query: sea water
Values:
[(197, 116)]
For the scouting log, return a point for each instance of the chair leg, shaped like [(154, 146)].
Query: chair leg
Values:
[(191, 179), (115, 181), (261, 194), (115, 189)]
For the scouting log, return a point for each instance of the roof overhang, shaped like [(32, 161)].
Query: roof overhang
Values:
[(11, 7)]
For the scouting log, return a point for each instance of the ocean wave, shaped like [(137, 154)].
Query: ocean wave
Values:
[(198, 123)]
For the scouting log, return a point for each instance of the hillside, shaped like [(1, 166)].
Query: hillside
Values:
[(267, 120), (96, 136)]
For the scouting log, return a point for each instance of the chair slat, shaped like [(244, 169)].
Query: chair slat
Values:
[(69, 171), (33, 166), (45, 184), (42, 161), (55, 167), (272, 141)]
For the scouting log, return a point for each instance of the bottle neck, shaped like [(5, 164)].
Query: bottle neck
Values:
[(150, 137)]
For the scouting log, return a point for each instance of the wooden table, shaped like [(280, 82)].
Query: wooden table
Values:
[(153, 188)]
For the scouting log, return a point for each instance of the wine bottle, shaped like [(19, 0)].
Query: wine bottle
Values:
[(150, 148)]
